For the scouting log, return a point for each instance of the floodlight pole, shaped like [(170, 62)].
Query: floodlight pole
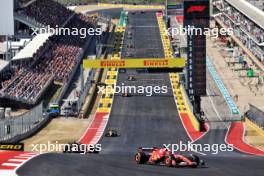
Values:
[(7, 48), (211, 8), (166, 12)]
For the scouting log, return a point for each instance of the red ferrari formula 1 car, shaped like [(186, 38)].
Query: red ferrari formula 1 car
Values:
[(163, 156)]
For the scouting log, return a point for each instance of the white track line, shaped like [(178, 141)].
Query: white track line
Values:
[(26, 155), (11, 164), (36, 155), (217, 113), (16, 160), (7, 173), (22, 157)]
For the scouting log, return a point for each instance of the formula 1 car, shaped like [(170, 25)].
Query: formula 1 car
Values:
[(126, 95), (122, 70), (131, 78), (111, 133), (163, 156)]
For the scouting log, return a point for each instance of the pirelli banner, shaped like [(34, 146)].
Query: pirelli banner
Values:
[(12, 146), (135, 63), (196, 20)]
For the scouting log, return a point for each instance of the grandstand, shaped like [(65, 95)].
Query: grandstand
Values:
[(54, 58), (248, 25), (41, 12), (148, 107)]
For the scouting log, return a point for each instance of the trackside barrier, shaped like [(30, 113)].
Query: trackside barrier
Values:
[(181, 100), (180, 96), (256, 115), (106, 100), (232, 106), (95, 131), (19, 127), (251, 124), (195, 122), (27, 134)]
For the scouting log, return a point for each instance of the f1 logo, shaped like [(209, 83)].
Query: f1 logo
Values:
[(196, 9)]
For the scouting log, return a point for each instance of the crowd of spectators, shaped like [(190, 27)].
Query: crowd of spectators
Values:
[(65, 51), (27, 84), (246, 30), (219, 5), (6, 77), (47, 12), (246, 24), (56, 60)]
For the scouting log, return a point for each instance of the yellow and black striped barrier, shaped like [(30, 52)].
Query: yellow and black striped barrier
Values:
[(178, 90), (106, 100), (254, 126)]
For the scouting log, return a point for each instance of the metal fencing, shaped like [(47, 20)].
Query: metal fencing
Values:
[(17, 125)]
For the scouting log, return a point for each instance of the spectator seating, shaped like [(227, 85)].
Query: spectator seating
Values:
[(246, 30), (48, 12), (55, 60)]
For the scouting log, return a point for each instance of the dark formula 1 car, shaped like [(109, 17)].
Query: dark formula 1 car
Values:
[(122, 70), (126, 95), (111, 133), (163, 156), (131, 78)]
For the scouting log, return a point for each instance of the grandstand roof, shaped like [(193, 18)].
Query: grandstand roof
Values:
[(3, 64), (249, 10), (32, 47), (13, 45)]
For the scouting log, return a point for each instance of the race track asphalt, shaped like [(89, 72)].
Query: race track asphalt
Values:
[(143, 122), (120, 165)]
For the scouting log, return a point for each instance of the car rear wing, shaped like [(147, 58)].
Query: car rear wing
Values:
[(146, 148)]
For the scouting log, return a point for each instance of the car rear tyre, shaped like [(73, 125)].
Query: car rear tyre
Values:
[(168, 161), (195, 159), (141, 158)]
